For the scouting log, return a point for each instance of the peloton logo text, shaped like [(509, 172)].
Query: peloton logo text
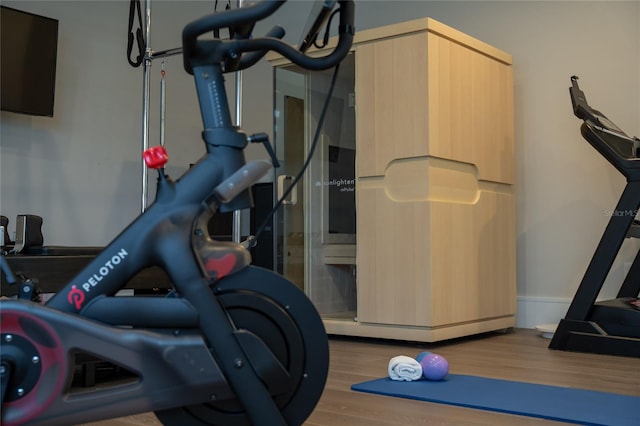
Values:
[(105, 270), (76, 296)]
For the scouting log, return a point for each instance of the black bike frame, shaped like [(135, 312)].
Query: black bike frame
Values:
[(164, 236)]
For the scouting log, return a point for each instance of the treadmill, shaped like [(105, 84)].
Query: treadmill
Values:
[(612, 326)]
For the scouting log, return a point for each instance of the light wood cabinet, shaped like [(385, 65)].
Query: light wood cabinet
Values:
[(435, 207)]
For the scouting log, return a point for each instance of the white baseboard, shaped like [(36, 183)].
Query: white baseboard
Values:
[(533, 311)]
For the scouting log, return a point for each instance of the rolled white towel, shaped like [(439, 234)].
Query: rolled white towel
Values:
[(404, 368)]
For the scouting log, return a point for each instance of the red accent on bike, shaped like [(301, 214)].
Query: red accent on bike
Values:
[(53, 372), (76, 297), (155, 157), (221, 266)]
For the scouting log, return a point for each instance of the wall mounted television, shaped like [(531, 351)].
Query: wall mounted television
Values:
[(28, 53)]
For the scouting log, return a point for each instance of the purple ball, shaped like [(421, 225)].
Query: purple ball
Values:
[(434, 367)]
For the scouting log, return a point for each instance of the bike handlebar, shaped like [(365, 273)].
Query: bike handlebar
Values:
[(252, 14), (250, 59)]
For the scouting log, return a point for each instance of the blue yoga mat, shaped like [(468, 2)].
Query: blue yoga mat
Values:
[(526, 399)]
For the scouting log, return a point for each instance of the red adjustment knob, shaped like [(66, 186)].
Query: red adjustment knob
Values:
[(155, 157)]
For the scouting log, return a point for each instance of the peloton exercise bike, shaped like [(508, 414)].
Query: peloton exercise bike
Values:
[(233, 344), (610, 326)]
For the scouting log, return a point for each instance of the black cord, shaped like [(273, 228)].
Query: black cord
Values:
[(325, 38), (312, 149)]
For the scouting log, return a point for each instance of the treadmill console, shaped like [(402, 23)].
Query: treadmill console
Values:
[(625, 146)]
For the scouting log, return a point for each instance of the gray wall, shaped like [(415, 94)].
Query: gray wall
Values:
[(81, 169)]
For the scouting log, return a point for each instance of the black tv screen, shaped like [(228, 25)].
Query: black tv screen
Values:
[(28, 52), (342, 191)]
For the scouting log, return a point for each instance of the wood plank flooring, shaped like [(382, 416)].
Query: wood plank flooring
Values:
[(518, 354)]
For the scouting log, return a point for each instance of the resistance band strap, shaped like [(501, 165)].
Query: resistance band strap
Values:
[(133, 6)]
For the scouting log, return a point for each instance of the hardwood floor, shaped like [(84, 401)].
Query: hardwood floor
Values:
[(519, 355)]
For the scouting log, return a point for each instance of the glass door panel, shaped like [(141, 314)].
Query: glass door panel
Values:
[(316, 228)]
